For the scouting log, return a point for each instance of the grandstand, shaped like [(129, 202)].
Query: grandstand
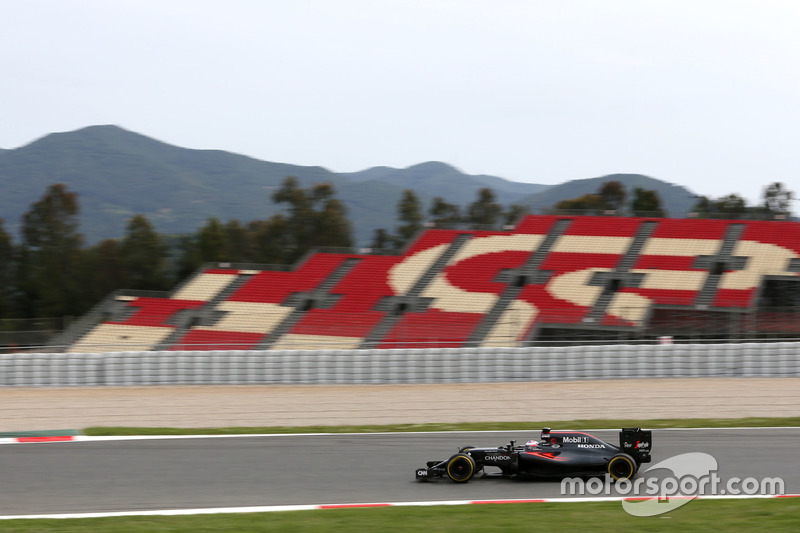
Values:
[(550, 278)]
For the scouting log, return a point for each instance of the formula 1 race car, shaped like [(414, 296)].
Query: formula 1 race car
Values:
[(556, 454)]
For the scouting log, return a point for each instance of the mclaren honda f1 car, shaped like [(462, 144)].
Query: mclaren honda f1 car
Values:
[(556, 454)]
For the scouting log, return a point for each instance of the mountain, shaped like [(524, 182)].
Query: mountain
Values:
[(117, 173), (677, 200), (440, 179)]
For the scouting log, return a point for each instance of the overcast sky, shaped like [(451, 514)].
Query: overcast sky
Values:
[(702, 93)]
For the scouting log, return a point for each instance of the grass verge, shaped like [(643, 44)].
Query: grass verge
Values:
[(699, 515), (467, 426)]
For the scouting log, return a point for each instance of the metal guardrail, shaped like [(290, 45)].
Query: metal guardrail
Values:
[(462, 365)]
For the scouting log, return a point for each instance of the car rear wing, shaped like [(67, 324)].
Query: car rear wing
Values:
[(637, 443)]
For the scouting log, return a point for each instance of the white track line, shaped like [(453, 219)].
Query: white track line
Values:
[(276, 508), (88, 438)]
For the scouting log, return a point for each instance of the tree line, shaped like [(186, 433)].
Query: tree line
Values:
[(51, 272), (612, 198), (483, 213)]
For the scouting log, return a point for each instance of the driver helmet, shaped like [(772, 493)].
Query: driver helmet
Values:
[(532, 444)]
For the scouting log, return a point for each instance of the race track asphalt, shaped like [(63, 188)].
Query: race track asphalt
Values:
[(285, 470)]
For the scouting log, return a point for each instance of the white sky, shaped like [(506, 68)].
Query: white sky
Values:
[(701, 93)]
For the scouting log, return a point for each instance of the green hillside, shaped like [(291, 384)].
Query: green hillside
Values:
[(118, 173), (434, 178), (677, 200)]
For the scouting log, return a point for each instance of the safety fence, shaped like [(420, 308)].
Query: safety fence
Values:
[(464, 365)]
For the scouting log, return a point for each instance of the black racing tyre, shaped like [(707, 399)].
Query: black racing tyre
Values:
[(465, 449), (622, 466), (460, 468)]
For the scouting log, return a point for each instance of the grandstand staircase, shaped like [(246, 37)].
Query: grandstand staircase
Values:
[(319, 298), (516, 280), (80, 327), (207, 315), (621, 277), (718, 264), (411, 302)]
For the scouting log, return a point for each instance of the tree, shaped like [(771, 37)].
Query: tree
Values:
[(27, 292), (315, 218), (646, 203), (300, 220), (731, 206), (409, 214), (239, 243), (271, 239), (104, 270), (51, 224), (484, 211), (217, 242), (613, 195), (188, 256), (6, 273), (211, 242), (381, 240), (609, 197), (144, 257), (442, 212), (777, 199), (331, 227), (53, 248), (704, 207), (590, 204), (514, 213)]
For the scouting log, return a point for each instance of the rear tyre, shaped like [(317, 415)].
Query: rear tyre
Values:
[(622, 466), (460, 468)]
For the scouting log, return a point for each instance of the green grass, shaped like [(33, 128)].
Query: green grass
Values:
[(467, 426), (700, 515)]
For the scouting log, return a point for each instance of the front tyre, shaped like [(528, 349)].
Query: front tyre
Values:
[(460, 468), (622, 466)]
